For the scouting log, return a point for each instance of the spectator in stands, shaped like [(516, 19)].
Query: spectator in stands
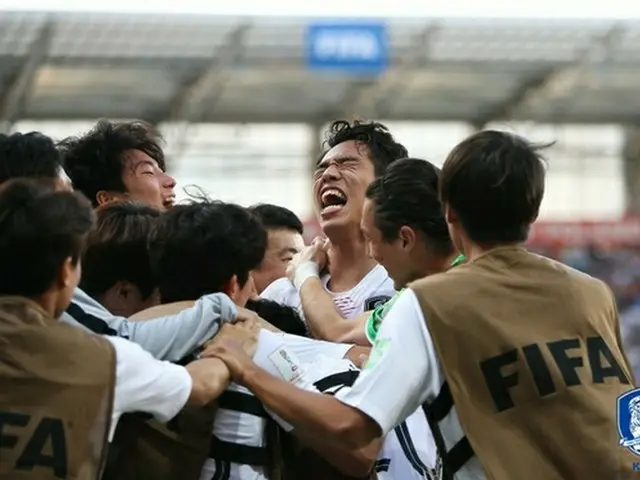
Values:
[(116, 268), (120, 161), (31, 155), (284, 231)]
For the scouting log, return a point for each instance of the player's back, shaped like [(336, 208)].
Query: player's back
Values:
[(541, 348)]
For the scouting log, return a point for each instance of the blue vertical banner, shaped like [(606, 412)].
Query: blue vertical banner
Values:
[(349, 47)]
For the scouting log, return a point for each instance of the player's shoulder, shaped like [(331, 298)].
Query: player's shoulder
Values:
[(127, 350), (574, 279), (446, 279)]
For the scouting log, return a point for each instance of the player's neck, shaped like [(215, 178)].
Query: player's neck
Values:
[(47, 301), (349, 263), (435, 264), (474, 250)]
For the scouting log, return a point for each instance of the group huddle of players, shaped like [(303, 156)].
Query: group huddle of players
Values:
[(417, 339)]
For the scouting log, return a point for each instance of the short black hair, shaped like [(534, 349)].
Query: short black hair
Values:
[(39, 229), (494, 182), (407, 194), (117, 249), (197, 248), (95, 161), (283, 317), (382, 148), (275, 216), (28, 155)]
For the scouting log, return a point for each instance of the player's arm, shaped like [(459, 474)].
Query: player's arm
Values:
[(161, 310), (160, 388), (325, 321), (379, 399), (356, 463), (271, 349), (321, 316), (171, 337)]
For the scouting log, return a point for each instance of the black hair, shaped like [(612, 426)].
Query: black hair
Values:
[(494, 182), (95, 161), (29, 155), (382, 149), (407, 194), (39, 229), (283, 317), (197, 248), (275, 216), (117, 249)]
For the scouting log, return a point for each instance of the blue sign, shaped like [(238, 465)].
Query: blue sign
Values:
[(360, 48)]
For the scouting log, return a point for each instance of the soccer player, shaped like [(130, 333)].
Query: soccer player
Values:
[(119, 161), (356, 154), (115, 265), (285, 240)]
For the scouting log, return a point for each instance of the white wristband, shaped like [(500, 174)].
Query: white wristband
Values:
[(304, 272)]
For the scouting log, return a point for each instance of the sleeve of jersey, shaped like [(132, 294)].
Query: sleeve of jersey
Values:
[(168, 338), (144, 384), (175, 336), (372, 327), (401, 372)]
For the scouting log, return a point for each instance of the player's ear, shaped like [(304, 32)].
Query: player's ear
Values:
[(233, 289)]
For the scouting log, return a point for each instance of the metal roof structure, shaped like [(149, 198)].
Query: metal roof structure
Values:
[(167, 68)]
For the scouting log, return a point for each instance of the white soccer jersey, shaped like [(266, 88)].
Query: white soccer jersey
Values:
[(373, 290), (241, 418), (404, 335), (408, 452)]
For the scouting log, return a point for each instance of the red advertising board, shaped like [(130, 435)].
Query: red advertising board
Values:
[(625, 232)]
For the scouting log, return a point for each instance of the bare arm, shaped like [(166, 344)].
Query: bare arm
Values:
[(209, 378), (324, 319), (356, 463)]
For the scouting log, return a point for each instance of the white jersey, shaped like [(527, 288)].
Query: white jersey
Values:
[(144, 384), (373, 290), (408, 451), (241, 418), (404, 344)]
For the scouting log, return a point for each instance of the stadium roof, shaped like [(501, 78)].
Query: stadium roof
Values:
[(70, 66)]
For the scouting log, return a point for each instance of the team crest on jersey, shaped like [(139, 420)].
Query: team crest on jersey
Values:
[(628, 416), (374, 302)]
